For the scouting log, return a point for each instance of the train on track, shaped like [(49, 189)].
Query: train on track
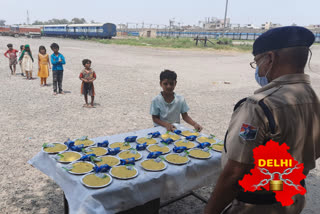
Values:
[(106, 30)]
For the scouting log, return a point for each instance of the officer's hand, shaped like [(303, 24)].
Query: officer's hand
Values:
[(198, 127), (170, 127)]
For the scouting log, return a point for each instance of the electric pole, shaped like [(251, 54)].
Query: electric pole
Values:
[(225, 19)]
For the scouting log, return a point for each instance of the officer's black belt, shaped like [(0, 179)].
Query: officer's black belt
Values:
[(260, 197)]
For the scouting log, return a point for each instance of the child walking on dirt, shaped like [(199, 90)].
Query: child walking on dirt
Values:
[(12, 58), (44, 65), (87, 76), (26, 60), (19, 54)]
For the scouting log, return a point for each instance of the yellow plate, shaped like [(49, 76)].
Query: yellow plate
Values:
[(218, 147), (93, 181), (172, 136), (189, 144), (176, 159), (200, 154), (189, 133), (157, 148), (127, 154), (205, 139), (148, 140), (98, 151), (110, 160), (81, 167), (122, 172), (86, 143), (69, 157), (121, 145), (58, 147), (152, 165)]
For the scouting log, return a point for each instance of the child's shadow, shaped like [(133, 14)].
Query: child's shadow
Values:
[(67, 92), (97, 104)]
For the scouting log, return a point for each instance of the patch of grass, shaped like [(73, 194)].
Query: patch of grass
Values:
[(186, 43)]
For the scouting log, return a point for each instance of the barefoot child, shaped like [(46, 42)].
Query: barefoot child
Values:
[(26, 60), (167, 106), (12, 58), (44, 65), (87, 76), (57, 61)]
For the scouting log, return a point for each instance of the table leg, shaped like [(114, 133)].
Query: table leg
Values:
[(66, 205)]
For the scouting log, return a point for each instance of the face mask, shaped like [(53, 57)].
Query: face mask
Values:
[(262, 81)]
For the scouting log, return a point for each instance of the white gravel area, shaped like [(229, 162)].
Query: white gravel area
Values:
[(127, 80)]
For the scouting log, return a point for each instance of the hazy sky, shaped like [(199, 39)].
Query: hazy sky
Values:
[(286, 12)]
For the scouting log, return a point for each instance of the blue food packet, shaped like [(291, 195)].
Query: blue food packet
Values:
[(102, 168), (141, 147), (87, 157), (167, 141), (113, 151), (130, 139), (191, 137), (69, 143), (203, 145), (103, 144), (154, 134), (177, 131), (154, 154), (77, 148), (127, 161), (179, 149)]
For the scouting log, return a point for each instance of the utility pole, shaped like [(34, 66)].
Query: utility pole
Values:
[(225, 19), (28, 19)]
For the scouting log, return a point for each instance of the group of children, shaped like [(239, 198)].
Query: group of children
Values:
[(165, 107)]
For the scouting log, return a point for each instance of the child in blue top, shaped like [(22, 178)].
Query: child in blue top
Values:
[(167, 106), (57, 61)]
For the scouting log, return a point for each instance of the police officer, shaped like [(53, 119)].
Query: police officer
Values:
[(286, 109)]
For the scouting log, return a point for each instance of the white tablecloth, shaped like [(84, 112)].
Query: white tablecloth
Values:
[(125, 194)]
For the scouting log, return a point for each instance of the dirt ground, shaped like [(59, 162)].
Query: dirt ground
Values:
[(127, 80)]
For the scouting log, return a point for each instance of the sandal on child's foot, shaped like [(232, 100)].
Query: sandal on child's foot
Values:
[(61, 92), (85, 105)]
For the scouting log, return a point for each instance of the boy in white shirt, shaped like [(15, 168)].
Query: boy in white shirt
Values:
[(167, 106)]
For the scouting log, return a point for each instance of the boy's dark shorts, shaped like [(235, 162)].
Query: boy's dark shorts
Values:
[(88, 89)]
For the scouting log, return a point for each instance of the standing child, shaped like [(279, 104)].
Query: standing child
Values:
[(57, 61), (167, 106), (44, 65), (26, 60), (12, 58), (19, 54), (87, 76)]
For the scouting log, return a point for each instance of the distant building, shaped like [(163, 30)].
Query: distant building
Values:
[(314, 27), (269, 25), (215, 24)]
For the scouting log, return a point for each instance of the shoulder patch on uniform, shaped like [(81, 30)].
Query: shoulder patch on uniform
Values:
[(248, 132)]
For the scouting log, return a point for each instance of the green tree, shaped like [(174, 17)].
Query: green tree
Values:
[(2, 22), (78, 21)]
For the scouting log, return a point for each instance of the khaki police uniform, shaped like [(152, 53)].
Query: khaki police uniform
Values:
[(295, 108)]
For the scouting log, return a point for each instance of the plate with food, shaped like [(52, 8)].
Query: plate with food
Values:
[(173, 136), (107, 159), (185, 143), (53, 148), (200, 154), (124, 172), (218, 146), (80, 167), (130, 154), (159, 148), (203, 139), (123, 146), (177, 159), (85, 141), (95, 181), (98, 151), (153, 165), (68, 157), (189, 133), (149, 141)]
